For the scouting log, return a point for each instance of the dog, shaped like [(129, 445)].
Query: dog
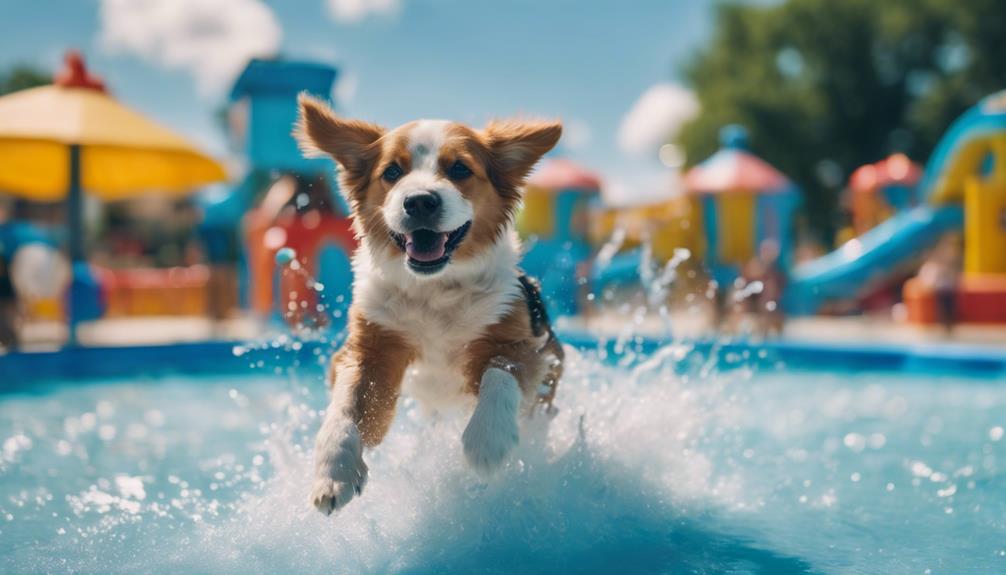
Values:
[(440, 306)]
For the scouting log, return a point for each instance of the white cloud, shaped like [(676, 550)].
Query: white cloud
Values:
[(656, 116), (345, 87), (213, 39), (576, 134), (353, 11), (643, 187)]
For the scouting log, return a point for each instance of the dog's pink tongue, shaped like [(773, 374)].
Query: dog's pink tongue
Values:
[(431, 247)]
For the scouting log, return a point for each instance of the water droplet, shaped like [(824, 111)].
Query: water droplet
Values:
[(996, 433)]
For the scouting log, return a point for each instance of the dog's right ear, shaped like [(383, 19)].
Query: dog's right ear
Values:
[(352, 143)]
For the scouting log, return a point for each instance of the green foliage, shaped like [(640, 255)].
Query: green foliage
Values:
[(824, 86), (22, 77)]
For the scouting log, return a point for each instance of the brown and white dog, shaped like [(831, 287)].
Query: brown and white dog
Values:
[(439, 304)]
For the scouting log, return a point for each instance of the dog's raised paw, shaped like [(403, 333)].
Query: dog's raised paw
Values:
[(486, 449), (492, 432), (340, 472), (329, 495)]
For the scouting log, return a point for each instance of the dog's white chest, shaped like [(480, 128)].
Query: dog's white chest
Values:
[(440, 322)]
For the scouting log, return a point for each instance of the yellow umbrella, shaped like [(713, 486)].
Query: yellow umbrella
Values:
[(57, 140), (122, 153)]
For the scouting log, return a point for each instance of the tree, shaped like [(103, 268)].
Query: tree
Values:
[(22, 77), (824, 86)]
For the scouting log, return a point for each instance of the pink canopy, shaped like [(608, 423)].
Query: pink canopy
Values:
[(732, 169), (561, 174), (896, 169)]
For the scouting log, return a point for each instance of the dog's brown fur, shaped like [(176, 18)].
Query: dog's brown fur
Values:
[(377, 358)]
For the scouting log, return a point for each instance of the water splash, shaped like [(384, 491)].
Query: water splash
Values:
[(676, 460)]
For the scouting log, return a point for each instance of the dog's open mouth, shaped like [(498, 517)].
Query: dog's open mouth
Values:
[(428, 251)]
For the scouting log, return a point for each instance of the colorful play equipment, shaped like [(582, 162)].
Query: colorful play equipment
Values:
[(39, 273), (297, 216), (299, 208), (732, 203), (59, 140), (175, 291), (664, 224), (633, 240), (554, 222), (963, 189), (744, 202), (878, 191)]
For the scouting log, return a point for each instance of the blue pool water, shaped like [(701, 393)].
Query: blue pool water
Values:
[(668, 463)]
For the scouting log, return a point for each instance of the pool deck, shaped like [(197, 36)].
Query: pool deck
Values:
[(150, 347), (821, 330), (854, 330)]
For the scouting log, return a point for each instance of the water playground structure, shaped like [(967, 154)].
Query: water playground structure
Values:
[(96, 145), (878, 191), (554, 223), (744, 202), (284, 199), (963, 190), (733, 202), (62, 140)]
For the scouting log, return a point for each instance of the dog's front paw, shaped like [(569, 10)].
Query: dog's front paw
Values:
[(340, 473), (492, 432)]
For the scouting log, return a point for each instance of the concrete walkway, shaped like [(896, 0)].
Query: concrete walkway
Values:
[(857, 329), (812, 329)]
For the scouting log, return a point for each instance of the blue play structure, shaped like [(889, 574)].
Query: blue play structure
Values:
[(263, 111), (553, 260), (556, 208), (262, 115)]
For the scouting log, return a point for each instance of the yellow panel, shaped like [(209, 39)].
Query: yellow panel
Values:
[(985, 226), (736, 222), (602, 225), (966, 164), (679, 227), (34, 170), (537, 218)]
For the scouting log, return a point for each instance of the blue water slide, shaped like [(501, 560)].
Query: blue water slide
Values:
[(863, 262)]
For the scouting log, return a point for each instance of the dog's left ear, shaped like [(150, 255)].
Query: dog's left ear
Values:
[(516, 146)]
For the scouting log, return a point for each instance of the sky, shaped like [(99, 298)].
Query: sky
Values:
[(608, 68)]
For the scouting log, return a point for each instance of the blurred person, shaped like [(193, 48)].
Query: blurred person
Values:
[(718, 296), (8, 297), (941, 273), (765, 304), (222, 254)]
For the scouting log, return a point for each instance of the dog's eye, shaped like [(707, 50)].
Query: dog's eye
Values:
[(458, 171), (392, 173)]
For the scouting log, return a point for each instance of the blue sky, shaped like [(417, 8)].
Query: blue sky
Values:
[(586, 62)]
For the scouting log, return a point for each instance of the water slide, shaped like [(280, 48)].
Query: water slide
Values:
[(871, 258), (900, 241)]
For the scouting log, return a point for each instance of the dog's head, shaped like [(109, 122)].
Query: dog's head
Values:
[(427, 193)]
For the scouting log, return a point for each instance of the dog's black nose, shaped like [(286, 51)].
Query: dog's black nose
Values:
[(422, 204)]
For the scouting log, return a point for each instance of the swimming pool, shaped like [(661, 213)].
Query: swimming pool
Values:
[(677, 460)]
